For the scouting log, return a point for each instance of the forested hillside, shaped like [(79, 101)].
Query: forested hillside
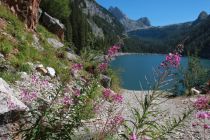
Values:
[(88, 25)]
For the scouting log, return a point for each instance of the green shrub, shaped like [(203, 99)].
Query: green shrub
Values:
[(10, 76)]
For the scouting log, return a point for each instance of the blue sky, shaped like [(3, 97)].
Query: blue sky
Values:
[(160, 12)]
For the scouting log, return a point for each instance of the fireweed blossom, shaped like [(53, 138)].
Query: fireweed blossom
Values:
[(113, 51), (133, 136), (77, 67), (67, 100), (172, 60), (103, 67), (205, 126), (110, 95), (28, 96), (117, 98), (76, 92), (203, 115), (107, 93), (202, 103)]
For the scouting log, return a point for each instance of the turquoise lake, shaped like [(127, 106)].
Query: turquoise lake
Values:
[(135, 67)]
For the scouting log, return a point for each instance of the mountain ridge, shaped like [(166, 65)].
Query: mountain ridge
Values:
[(161, 39), (129, 24)]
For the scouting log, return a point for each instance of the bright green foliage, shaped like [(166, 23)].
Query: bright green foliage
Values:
[(195, 75), (26, 52), (57, 8)]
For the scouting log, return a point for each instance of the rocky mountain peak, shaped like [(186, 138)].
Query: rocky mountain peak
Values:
[(203, 15), (129, 24), (117, 13), (145, 21)]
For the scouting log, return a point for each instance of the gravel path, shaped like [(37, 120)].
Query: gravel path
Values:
[(175, 107)]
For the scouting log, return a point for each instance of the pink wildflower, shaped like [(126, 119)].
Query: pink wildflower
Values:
[(133, 136), (117, 98), (67, 100), (202, 103), (172, 59), (34, 79), (113, 50), (77, 67), (195, 124), (203, 115), (205, 126), (27, 96), (102, 67), (107, 93), (77, 92)]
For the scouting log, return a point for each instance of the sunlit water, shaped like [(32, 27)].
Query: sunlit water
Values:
[(136, 68)]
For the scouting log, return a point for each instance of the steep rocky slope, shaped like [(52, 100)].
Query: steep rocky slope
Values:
[(130, 24), (37, 69)]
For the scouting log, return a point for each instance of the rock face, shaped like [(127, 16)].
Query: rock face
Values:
[(8, 102), (71, 57), (55, 43), (129, 24), (105, 81), (36, 43), (99, 18), (202, 16), (27, 10), (53, 25)]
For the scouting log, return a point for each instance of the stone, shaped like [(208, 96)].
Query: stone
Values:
[(55, 43), (23, 75), (100, 58), (1, 56), (36, 44), (51, 71), (105, 81), (71, 56), (8, 101), (53, 25), (40, 68)]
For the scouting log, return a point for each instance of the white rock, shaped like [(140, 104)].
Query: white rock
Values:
[(55, 43), (39, 66), (51, 71), (23, 75), (7, 94), (1, 55), (36, 44), (71, 56)]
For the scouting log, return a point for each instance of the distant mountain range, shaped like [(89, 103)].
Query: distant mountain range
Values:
[(129, 24), (162, 39)]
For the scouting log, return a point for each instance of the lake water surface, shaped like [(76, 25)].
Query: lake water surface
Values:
[(133, 68)]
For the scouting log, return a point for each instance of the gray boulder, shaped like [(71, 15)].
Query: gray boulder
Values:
[(51, 71), (8, 101), (1, 56), (105, 81), (55, 43), (36, 44), (71, 56), (53, 25)]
